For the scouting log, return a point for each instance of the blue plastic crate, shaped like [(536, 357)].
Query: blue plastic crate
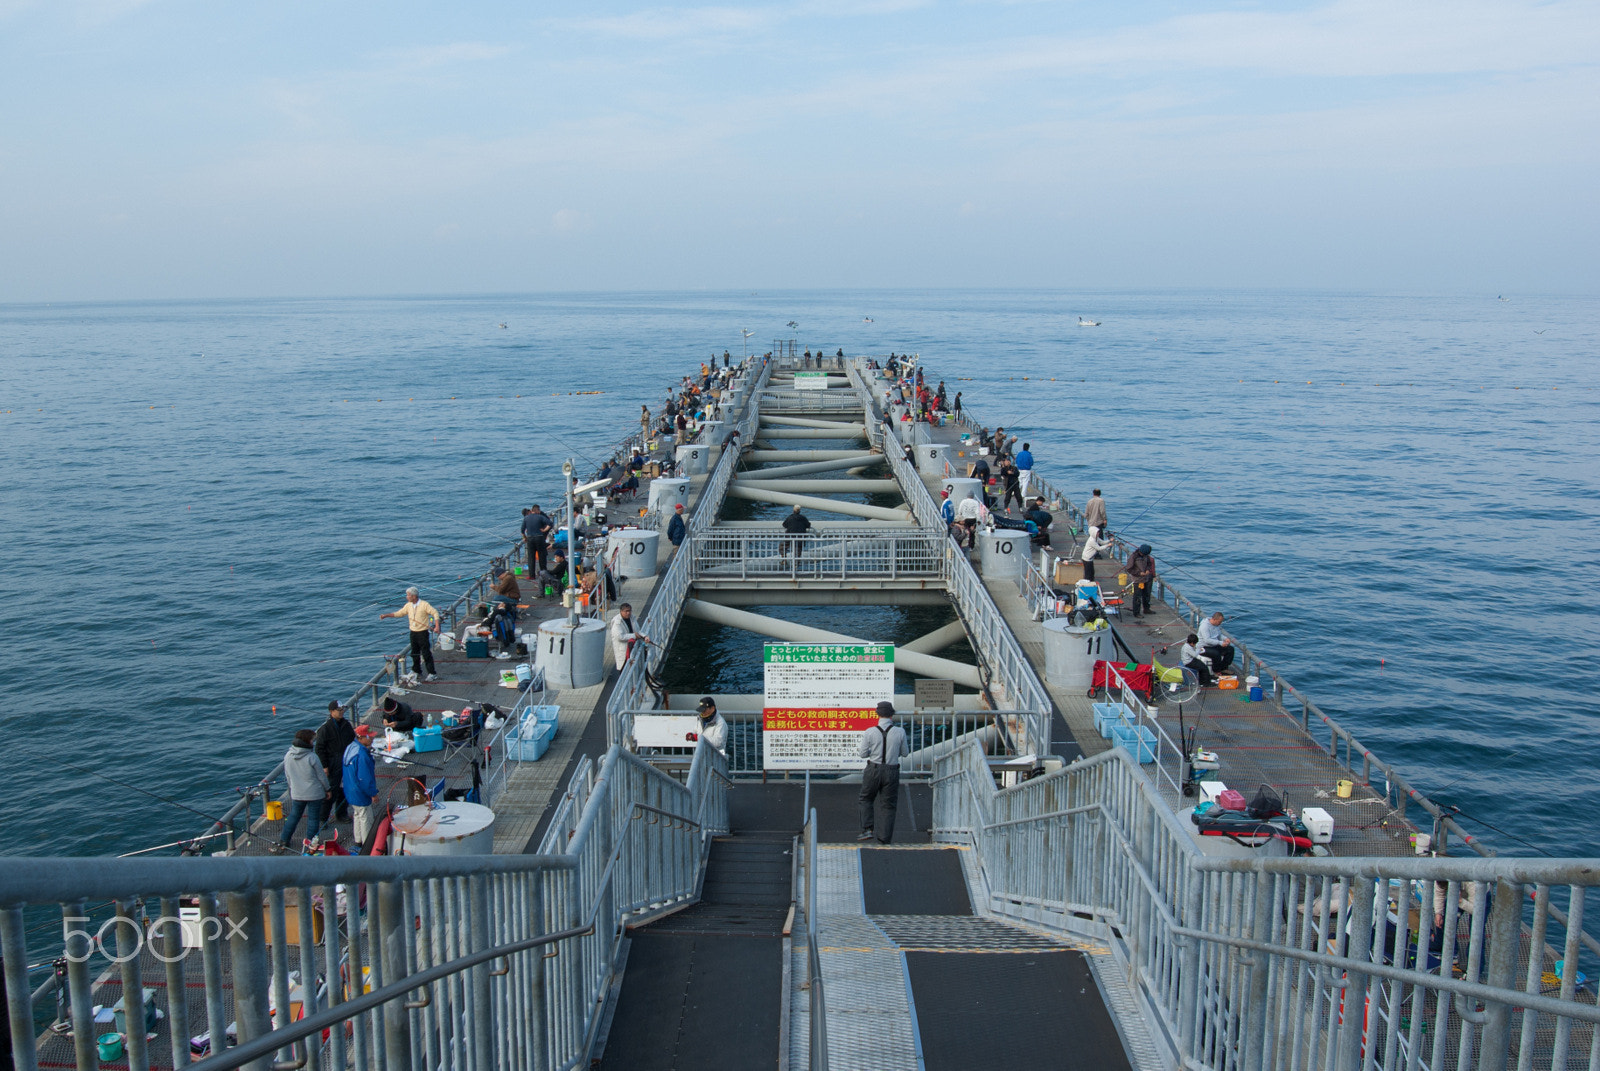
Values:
[(550, 714), (1136, 740), (531, 744), (1106, 715)]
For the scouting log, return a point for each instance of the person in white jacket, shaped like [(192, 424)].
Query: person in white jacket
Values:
[(713, 729), (624, 635), (1092, 546)]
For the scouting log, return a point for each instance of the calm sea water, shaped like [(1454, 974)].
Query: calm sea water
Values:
[(206, 505)]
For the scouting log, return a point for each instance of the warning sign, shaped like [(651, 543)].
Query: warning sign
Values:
[(818, 699), (811, 381)]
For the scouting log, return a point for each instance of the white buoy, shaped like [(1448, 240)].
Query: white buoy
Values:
[(692, 459), (1070, 652), (636, 551), (1002, 552), (454, 828), (932, 458), (668, 491), (572, 657), (963, 487)]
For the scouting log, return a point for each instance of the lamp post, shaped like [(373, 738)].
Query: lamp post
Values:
[(572, 550)]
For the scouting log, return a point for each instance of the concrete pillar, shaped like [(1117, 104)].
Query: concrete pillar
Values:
[(1002, 552), (963, 487), (692, 460), (931, 459)]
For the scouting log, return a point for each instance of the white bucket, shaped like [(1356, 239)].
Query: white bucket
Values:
[(447, 641)]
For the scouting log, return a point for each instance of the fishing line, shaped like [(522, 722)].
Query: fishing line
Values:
[(446, 546), (135, 788), (464, 524), (1163, 494), (1503, 833)]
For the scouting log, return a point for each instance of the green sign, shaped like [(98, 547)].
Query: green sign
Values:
[(828, 652)]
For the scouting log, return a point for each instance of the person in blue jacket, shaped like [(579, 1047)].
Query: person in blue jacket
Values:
[(360, 783), (676, 529), (1024, 461)]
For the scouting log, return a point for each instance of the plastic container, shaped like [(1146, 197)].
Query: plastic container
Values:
[(274, 811), (531, 742), (430, 739), (1228, 683), (1319, 825), (477, 647), (1136, 740), (149, 1010), (1254, 684), (1343, 788), (110, 1046), (1231, 799), (447, 641), (1105, 716)]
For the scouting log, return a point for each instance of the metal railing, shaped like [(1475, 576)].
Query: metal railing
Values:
[(1286, 963), (868, 553), (402, 962), (660, 620), (817, 1043)]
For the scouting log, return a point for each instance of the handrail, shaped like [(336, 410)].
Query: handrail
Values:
[(638, 846), (1095, 850)]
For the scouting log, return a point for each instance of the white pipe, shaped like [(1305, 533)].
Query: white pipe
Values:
[(856, 432), (863, 461), (807, 422), (937, 640), (825, 487), (849, 509), (803, 455), (923, 665)]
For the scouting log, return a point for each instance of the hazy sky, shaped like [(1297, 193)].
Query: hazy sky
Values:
[(185, 149)]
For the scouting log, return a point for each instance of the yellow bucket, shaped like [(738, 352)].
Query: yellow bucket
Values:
[(1342, 789), (274, 810)]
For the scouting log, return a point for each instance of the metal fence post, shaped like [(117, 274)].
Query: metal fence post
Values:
[(247, 954), (394, 931)]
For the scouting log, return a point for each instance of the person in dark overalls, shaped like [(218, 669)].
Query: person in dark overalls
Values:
[(883, 746)]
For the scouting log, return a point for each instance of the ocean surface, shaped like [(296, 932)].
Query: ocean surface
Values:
[(206, 506)]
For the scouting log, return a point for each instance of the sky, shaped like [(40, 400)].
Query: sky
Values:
[(178, 149)]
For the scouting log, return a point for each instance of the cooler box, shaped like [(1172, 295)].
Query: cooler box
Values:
[(431, 739), (531, 741), (477, 647), (1136, 740), (1319, 825), (150, 1018)]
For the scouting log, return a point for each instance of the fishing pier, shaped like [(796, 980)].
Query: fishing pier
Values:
[(651, 901)]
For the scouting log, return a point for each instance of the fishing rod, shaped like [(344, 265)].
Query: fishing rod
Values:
[(153, 795), (1163, 494)]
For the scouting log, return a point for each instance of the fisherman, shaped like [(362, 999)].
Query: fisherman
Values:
[(796, 524), (422, 619), (553, 579), (1011, 482), (359, 781), (624, 634), (1024, 461), (1042, 520), (1093, 544), (333, 736), (980, 472), (507, 592), (676, 529), (1194, 659), (1142, 572), (401, 716), (712, 728), (955, 407), (969, 511), (883, 746), (535, 532), (947, 510), (644, 421), (1094, 511), (308, 788), (1214, 644)]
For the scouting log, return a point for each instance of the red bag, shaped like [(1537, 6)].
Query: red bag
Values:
[(1231, 799), (1140, 678)]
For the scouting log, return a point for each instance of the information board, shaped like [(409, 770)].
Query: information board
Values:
[(811, 381), (818, 698)]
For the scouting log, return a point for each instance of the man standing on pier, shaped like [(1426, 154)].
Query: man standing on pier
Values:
[(535, 531), (1142, 572), (1094, 511), (883, 746), (333, 736), (422, 619), (624, 635), (676, 529), (1024, 461), (796, 524)]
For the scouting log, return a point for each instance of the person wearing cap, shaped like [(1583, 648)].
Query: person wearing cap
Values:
[(947, 510), (624, 635), (883, 746), (359, 781), (333, 736), (676, 529), (422, 619), (308, 787), (400, 716), (1042, 520), (1142, 574), (712, 729)]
